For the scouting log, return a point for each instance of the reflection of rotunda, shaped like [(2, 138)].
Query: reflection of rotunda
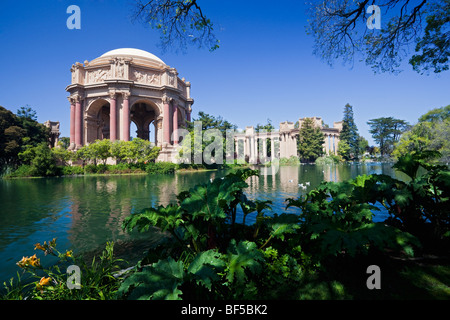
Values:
[(124, 86)]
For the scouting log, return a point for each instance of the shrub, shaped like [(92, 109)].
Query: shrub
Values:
[(161, 168), (24, 170), (70, 170)]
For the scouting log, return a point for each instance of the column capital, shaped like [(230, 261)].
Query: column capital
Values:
[(71, 99), (77, 98), (126, 95), (112, 94), (167, 99)]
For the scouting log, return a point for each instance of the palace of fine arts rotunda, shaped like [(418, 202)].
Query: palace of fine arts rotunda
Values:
[(123, 86)]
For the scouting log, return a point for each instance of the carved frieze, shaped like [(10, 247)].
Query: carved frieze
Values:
[(99, 75), (144, 77)]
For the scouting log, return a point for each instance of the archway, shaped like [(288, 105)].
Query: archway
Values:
[(98, 124), (143, 114)]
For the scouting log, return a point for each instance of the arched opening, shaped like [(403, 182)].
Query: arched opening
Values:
[(143, 116), (98, 124)]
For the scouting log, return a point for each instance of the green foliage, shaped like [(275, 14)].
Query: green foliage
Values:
[(212, 255), (15, 133), (420, 205), (343, 150), (433, 48), (204, 138), (430, 133), (327, 160), (40, 158), (160, 167), (310, 141), (99, 280), (349, 134), (337, 219), (386, 131)]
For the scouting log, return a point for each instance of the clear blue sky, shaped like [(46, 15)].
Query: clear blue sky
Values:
[(263, 70)]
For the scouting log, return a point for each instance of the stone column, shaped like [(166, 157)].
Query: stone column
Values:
[(272, 147), (126, 117), (72, 122), (264, 147), (166, 120), (112, 117), (175, 124), (78, 122)]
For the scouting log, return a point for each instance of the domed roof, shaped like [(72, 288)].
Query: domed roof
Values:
[(132, 52)]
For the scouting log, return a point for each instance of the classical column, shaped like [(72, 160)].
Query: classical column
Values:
[(112, 117), (72, 122), (264, 147), (188, 114), (254, 148), (175, 124), (126, 117), (272, 147), (78, 121), (166, 119)]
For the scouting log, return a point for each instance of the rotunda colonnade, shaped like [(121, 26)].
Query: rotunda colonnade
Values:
[(123, 86)]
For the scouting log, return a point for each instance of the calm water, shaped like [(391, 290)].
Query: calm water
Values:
[(83, 213)]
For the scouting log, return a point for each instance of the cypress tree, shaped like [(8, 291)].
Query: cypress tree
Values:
[(349, 132)]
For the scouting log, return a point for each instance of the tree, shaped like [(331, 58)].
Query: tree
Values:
[(13, 130), (363, 145), (343, 150), (432, 132), (386, 131), (189, 146), (310, 141), (181, 23), (349, 133), (341, 30), (27, 113), (40, 158)]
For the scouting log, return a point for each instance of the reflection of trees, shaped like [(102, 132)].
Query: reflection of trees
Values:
[(100, 204)]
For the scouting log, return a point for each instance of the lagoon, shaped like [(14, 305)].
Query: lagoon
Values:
[(85, 212)]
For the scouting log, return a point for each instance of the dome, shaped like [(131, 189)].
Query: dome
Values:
[(133, 52)]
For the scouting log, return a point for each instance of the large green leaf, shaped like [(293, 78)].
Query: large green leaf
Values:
[(283, 224), (165, 218), (210, 201), (206, 266), (159, 281), (240, 257)]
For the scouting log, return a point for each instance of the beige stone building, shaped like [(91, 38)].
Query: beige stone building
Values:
[(283, 141), (123, 86)]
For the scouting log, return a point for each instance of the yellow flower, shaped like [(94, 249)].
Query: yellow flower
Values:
[(38, 246), (52, 243), (34, 261), (45, 281), (22, 263), (29, 261), (69, 253)]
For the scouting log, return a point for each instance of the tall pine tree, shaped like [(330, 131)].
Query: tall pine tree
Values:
[(310, 141), (349, 133)]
